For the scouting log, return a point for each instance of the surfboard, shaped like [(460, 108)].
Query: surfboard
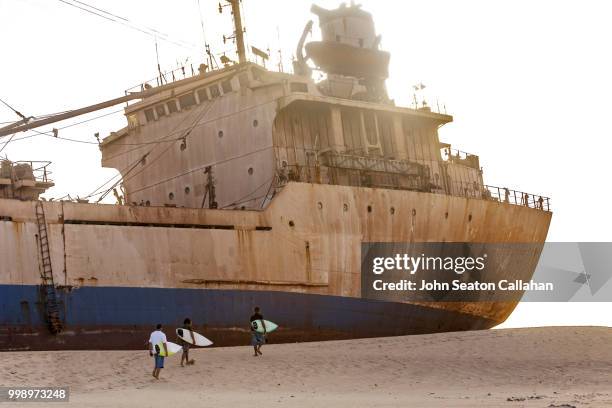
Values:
[(172, 349), (258, 327), (199, 339)]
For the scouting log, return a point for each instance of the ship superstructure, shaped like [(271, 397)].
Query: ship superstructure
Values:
[(242, 186)]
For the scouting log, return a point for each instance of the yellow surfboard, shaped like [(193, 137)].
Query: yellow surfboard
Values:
[(173, 348)]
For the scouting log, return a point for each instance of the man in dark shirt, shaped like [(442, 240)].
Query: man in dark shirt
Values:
[(257, 339), (187, 327)]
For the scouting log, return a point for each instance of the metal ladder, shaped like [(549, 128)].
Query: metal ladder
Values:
[(52, 310)]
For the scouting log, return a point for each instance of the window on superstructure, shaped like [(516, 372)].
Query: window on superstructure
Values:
[(149, 115), (257, 74), (214, 91), (187, 100), (370, 127), (172, 106), (351, 130), (202, 95), (386, 135), (160, 110), (226, 86), (298, 87)]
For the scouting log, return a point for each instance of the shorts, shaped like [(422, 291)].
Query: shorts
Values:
[(159, 361), (185, 346), (257, 339)]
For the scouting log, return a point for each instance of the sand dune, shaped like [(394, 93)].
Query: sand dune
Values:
[(536, 367)]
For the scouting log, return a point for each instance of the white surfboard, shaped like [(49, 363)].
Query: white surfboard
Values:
[(172, 349), (258, 326), (199, 339)]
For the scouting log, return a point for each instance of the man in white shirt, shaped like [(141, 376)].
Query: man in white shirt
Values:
[(158, 345)]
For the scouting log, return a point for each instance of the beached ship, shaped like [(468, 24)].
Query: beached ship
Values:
[(243, 186)]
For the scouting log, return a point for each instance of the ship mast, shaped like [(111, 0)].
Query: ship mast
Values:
[(238, 29)]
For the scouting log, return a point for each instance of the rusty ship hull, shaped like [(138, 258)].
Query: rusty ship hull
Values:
[(119, 270), (241, 186)]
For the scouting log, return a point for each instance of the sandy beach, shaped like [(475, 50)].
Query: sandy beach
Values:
[(534, 367)]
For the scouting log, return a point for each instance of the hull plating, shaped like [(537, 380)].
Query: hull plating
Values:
[(122, 318)]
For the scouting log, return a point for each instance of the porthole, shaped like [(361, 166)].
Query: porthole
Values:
[(187, 190), (250, 171), (171, 196), (392, 210), (255, 123), (446, 215), (413, 212), (291, 224), (220, 134), (369, 208), (148, 203), (320, 205), (470, 218), (345, 207)]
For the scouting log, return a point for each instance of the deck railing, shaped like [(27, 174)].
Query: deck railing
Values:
[(506, 195), (460, 157), (500, 194), (164, 78), (474, 190)]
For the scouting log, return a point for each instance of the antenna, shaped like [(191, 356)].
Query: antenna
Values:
[(202, 23), (211, 58), (161, 76), (238, 29), (280, 50)]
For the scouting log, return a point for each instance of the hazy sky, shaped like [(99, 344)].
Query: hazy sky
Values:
[(528, 82)]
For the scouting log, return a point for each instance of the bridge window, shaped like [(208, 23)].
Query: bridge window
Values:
[(187, 100), (149, 115), (172, 106), (160, 110), (202, 95), (214, 91), (226, 86)]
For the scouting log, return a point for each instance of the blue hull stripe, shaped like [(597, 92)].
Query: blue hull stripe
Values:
[(91, 307)]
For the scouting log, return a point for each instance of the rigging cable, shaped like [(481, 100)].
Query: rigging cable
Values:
[(202, 168), (163, 139), (7, 142), (203, 123), (126, 22), (246, 199), (174, 131), (14, 110), (183, 137), (202, 25), (50, 133), (22, 116)]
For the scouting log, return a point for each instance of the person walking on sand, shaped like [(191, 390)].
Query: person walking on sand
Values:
[(185, 356), (157, 344), (257, 339)]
